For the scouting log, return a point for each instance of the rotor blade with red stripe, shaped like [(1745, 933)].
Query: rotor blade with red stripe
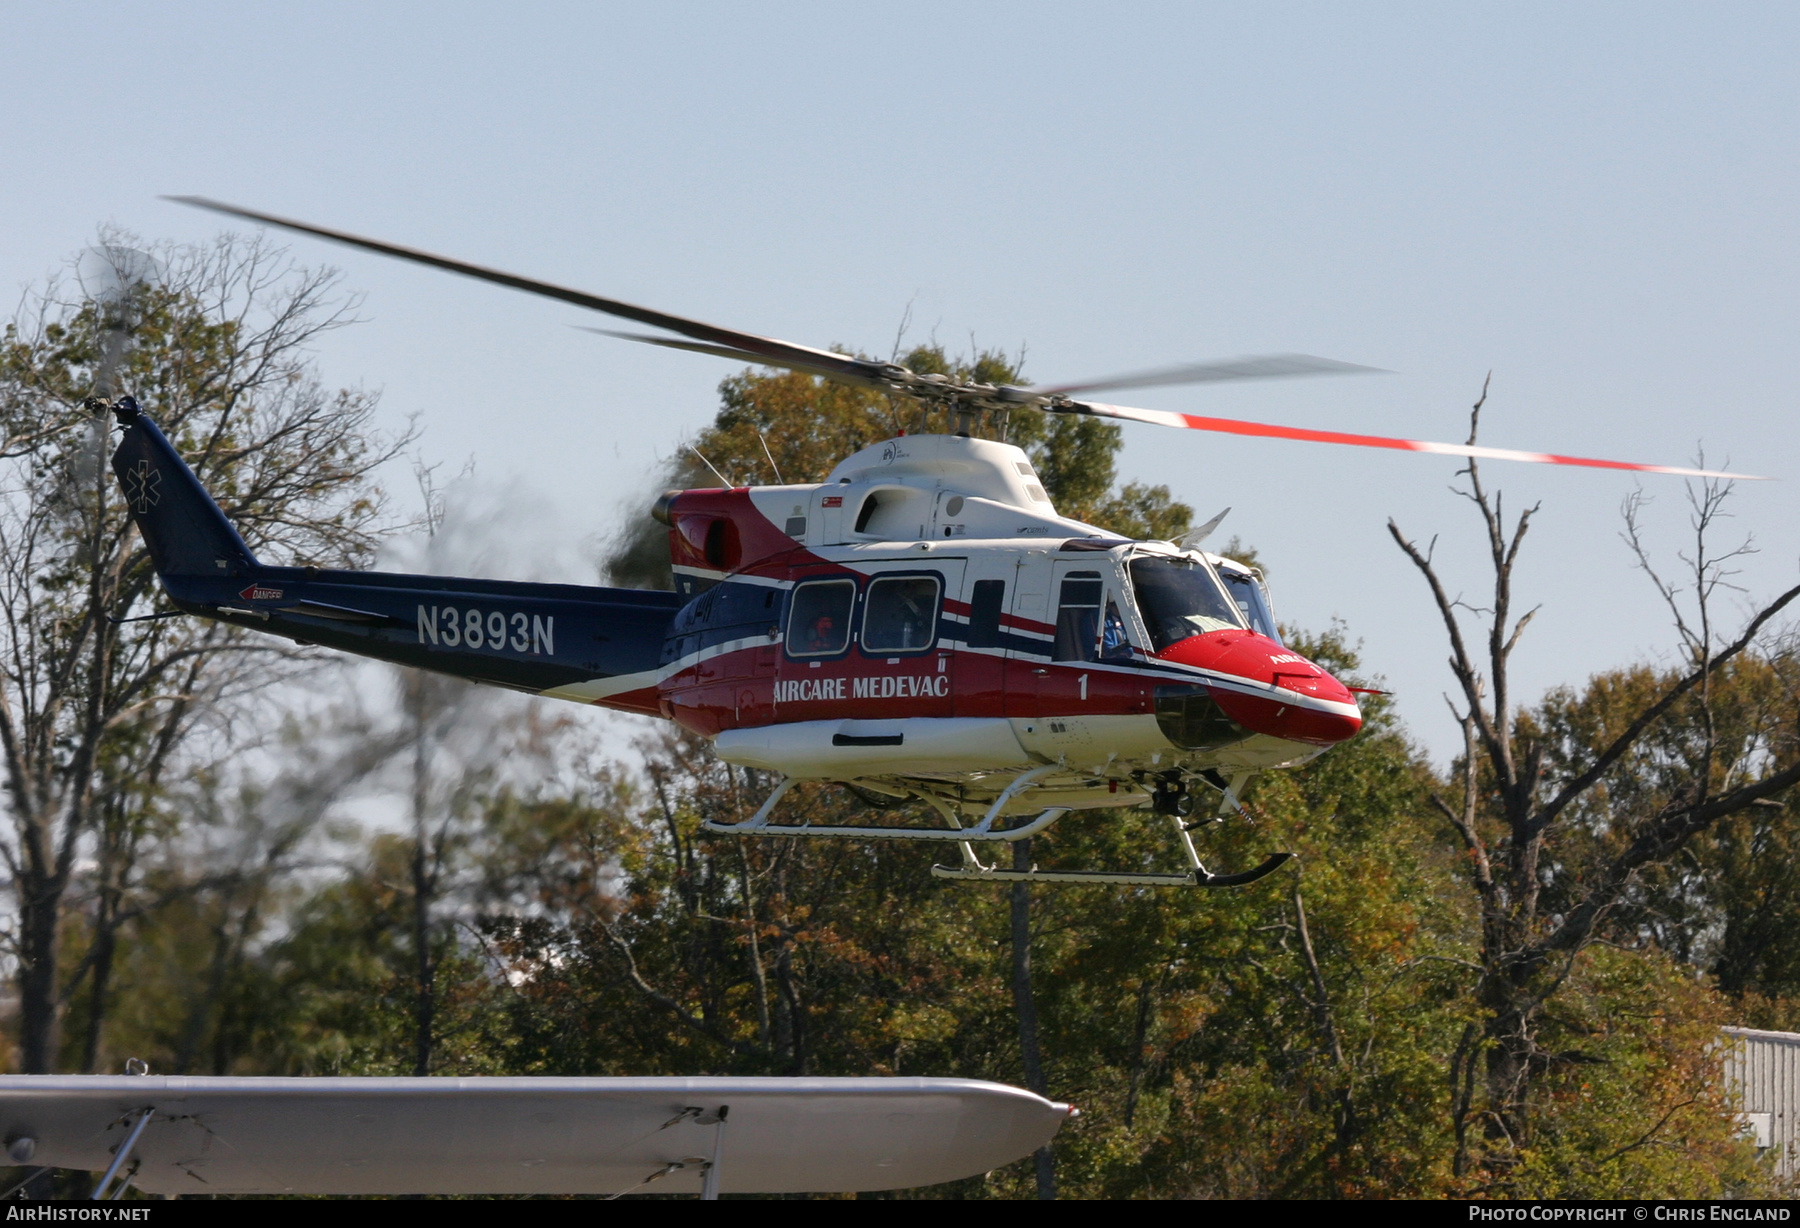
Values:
[(1236, 426)]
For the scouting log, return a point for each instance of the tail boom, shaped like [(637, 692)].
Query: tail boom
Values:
[(587, 643)]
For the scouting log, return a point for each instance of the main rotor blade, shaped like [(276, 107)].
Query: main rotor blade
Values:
[(736, 355), (1235, 426), (766, 349), (1255, 366)]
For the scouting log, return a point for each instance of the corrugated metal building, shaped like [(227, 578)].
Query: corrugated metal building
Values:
[(1765, 1067)]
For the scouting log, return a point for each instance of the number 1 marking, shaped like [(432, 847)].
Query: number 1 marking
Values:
[(1084, 688)]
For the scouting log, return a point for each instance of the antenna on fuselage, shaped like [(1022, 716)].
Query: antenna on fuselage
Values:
[(1193, 537), (779, 480), (722, 478)]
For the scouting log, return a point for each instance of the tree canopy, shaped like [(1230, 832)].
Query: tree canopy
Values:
[(789, 427), (547, 902)]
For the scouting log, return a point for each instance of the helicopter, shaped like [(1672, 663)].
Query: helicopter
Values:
[(920, 627)]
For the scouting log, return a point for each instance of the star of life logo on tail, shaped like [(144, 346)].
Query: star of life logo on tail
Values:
[(143, 487)]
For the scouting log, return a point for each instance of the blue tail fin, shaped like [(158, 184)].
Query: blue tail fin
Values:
[(187, 533)]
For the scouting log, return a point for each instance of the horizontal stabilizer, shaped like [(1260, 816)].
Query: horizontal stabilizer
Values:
[(340, 613)]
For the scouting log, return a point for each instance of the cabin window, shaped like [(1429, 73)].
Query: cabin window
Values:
[(1078, 617), (1180, 598), (985, 603), (901, 615), (819, 618)]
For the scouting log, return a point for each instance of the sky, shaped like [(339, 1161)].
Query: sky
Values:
[(1594, 202)]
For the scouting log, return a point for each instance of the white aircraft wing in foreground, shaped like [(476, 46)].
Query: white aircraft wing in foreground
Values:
[(521, 1135)]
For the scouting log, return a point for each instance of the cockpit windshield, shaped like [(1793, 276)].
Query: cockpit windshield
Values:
[(1252, 601), (1180, 598)]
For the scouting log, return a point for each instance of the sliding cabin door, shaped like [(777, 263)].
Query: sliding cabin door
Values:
[(870, 647)]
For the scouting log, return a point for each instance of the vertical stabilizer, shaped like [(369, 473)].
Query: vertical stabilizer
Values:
[(187, 533)]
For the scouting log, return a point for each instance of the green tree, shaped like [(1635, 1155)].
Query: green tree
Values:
[(786, 427), (1561, 815), (1290, 1039), (1172, 1019), (95, 714)]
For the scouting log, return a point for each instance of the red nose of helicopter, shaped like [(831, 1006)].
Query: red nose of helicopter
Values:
[(1292, 698)]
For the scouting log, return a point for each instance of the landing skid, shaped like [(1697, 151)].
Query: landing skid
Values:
[(1193, 878), (973, 869)]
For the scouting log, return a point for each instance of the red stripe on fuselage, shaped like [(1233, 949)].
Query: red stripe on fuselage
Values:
[(1027, 624), (645, 701), (754, 686)]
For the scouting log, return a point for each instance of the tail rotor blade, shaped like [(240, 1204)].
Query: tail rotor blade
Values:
[(1237, 426), (114, 278)]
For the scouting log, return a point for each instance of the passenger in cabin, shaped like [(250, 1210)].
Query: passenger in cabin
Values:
[(823, 637)]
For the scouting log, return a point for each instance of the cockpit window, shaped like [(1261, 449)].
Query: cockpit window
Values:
[(1180, 598), (1114, 646), (1251, 600), (1078, 618)]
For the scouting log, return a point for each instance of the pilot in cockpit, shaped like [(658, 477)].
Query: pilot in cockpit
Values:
[(1113, 644)]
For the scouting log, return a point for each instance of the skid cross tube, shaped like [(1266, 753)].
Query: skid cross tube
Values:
[(895, 833), (969, 860), (761, 817), (1023, 779), (759, 825)]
